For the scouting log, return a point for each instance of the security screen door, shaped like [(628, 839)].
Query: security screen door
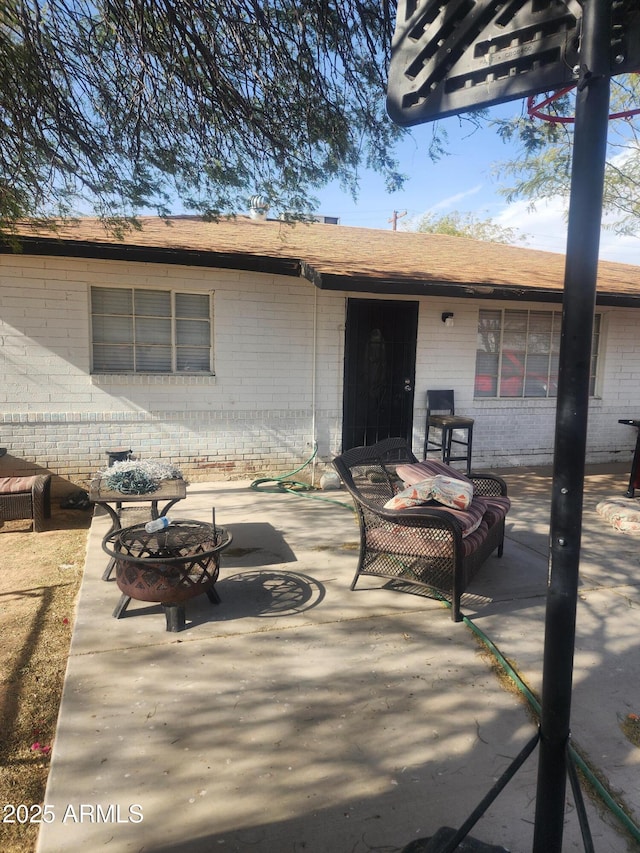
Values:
[(379, 371)]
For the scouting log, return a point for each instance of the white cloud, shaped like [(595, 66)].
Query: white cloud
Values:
[(451, 201), (546, 228), (614, 247), (544, 225)]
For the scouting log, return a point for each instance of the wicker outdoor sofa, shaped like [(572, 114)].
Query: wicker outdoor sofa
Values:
[(436, 547), (26, 497)]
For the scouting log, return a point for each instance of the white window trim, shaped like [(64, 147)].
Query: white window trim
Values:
[(532, 399), (120, 377)]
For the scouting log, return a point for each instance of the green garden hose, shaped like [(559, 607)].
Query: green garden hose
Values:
[(604, 795), (285, 484)]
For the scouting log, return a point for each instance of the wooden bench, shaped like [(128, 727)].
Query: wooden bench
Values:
[(437, 547), (26, 497)]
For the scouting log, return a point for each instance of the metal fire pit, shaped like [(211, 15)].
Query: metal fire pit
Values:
[(168, 566)]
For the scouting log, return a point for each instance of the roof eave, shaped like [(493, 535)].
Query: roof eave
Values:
[(464, 290), (155, 255), (291, 266)]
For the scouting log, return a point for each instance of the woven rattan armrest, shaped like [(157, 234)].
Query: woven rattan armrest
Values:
[(420, 517), (488, 484)]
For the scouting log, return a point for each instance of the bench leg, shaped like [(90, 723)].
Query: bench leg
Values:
[(501, 545), (455, 609)]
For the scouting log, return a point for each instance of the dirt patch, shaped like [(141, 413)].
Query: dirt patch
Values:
[(40, 576), (630, 726)]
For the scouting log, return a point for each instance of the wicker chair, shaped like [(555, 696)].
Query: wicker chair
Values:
[(26, 497), (423, 545)]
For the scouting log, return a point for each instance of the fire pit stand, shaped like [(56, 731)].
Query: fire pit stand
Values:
[(169, 566)]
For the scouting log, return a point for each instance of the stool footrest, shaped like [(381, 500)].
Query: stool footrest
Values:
[(444, 446)]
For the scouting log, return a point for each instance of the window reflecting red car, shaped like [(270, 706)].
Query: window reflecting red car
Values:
[(513, 381)]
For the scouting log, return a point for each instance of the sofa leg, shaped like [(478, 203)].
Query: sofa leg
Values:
[(501, 545), (455, 610), (361, 559)]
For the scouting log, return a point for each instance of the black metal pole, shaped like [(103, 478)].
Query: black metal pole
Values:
[(583, 239)]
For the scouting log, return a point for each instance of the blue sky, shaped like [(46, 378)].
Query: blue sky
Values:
[(462, 181)]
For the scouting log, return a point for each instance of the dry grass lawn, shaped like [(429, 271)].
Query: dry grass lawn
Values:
[(40, 576)]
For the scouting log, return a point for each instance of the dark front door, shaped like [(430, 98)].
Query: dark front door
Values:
[(379, 371)]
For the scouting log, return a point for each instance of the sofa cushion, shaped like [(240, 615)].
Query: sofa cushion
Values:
[(420, 493), (414, 472), (470, 518), (452, 492), (416, 541), (472, 542), (12, 485), (622, 513), (448, 488), (496, 507)]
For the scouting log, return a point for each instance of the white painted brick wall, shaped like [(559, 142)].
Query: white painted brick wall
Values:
[(521, 432), (256, 415)]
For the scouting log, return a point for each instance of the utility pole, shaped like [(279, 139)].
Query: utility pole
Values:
[(395, 217)]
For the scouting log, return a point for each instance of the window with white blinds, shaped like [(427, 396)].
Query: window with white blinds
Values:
[(150, 331), (517, 353)]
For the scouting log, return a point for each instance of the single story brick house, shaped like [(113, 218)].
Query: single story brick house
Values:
[(233, 348)]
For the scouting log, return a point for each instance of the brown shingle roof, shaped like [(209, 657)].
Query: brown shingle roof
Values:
[(341, 258)]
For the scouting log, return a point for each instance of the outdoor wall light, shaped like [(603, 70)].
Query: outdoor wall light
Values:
[(447, 318)]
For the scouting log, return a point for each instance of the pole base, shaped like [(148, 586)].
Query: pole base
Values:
[(439, 842)]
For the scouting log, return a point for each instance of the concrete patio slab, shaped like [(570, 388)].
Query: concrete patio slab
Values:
[(299, 717)]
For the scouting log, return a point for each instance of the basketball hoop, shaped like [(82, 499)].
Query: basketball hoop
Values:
[(536, 110)]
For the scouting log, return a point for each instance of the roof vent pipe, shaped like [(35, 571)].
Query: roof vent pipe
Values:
[(258, 207)]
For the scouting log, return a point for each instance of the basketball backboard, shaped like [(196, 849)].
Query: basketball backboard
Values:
[(625, 37), (449, 56)]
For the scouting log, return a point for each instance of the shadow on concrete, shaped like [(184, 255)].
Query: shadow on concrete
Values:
[(268, 594), (261, 593), (360, 726), (256, 543)]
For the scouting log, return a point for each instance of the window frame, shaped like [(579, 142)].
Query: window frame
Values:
[(506, 355), (171, 342)]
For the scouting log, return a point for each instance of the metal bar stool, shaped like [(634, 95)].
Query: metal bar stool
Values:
[(441, 415)]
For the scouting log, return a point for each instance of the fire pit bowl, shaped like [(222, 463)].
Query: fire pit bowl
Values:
[(168, 566)]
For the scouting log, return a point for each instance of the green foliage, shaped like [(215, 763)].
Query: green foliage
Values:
[(541, 168), (457, 224), (119, 105)]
